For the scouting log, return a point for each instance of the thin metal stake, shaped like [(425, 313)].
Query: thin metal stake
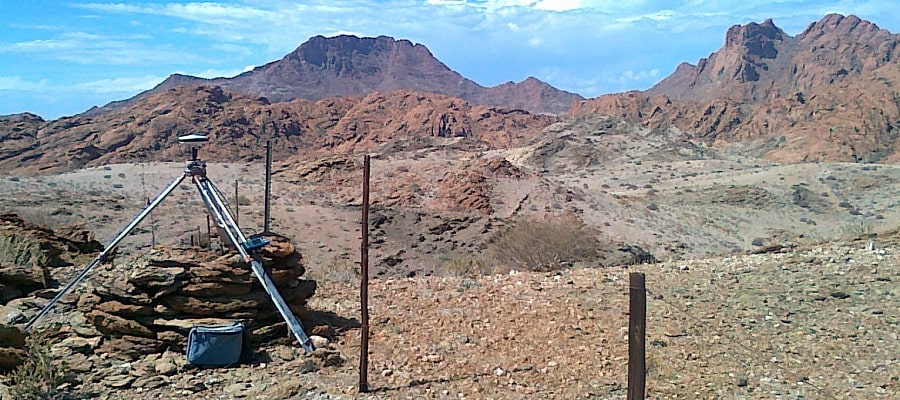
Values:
[(268, 184), (237, 204)]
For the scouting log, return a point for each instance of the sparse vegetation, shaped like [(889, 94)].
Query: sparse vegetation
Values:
[(468, 266), (38, 378), (337, 270), (544, 245)]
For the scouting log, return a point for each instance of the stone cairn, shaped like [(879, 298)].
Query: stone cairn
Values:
[(151, 304), (144, 306)]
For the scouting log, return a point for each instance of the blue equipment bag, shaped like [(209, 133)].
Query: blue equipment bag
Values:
[(215, 345)]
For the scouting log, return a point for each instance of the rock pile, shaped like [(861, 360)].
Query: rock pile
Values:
[(31, 259), (144, 306), (151, 304)]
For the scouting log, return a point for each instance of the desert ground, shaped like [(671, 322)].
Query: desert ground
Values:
[(812, 315), (815, 322), (668, 195)]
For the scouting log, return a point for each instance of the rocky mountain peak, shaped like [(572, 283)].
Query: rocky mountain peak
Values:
[(756, 40), (829, 92), (839, 24), (347, 65), (331, 52)]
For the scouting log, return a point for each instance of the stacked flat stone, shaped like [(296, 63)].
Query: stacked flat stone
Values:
[(151, 304)]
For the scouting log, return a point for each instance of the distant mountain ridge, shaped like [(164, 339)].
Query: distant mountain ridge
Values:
[(347, 65), (238, 124), (832, 93)]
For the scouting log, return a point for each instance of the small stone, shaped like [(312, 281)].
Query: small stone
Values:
[(284, 353), (839, 295), (119, 381), (499, 371), (319, 341), (165, 367), (742, 382), (148, 383), (307, 366), (237, 389), (387, 372)]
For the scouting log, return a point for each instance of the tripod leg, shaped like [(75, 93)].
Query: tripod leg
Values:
[(217, 207), (106, 251)]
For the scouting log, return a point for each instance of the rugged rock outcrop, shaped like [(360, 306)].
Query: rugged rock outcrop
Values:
[(347, 65), (18, 133), (239, 127), (828, 94), (34, 257)]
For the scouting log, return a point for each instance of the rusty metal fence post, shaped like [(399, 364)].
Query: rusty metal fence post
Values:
[(364, 284), (637, 320)]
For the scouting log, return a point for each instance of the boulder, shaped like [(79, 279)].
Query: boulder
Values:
[(12, 348)]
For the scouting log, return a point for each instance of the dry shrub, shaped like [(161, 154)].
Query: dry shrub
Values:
[(469, 267), (38, 378), (545, 245), (337, 270)]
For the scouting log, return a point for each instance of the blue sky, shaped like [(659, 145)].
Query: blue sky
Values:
[(62, 57)]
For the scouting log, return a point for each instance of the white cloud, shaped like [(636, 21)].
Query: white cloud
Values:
[(125, 85), (558, 5), (17, 84), (93, 49), (629, 77), (216, 73), (661, 15), (128, 85), (206, 12)]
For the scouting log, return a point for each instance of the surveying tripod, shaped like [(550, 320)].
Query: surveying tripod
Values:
[(218, 209)]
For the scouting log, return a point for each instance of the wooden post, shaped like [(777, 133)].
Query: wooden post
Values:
[(208, 233), (637, 317), (268, 184), (364, 284)]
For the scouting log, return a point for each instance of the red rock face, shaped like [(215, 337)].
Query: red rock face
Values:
[(238, 125), (828, 94), (346, 65)]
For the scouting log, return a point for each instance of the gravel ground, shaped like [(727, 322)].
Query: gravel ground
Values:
[(817, 322)]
